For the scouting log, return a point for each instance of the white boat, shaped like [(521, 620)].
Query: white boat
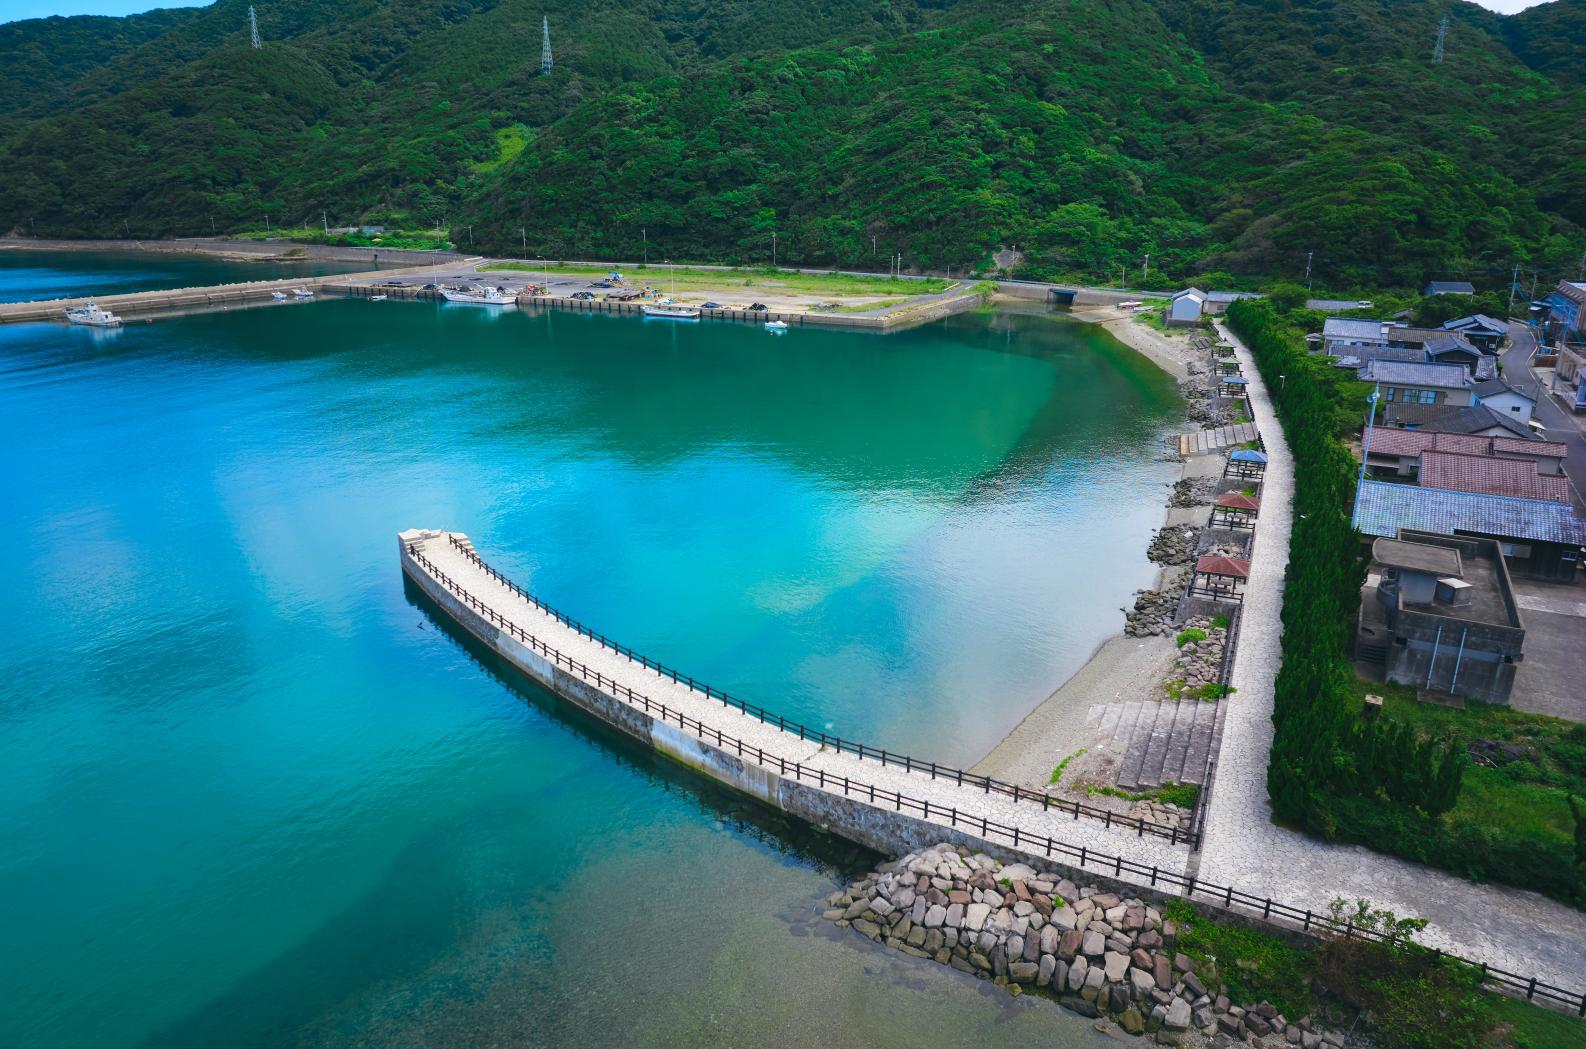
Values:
[(93, 316), (479, 295), (675, 311), (278, 296), (776, 326), (377, 298), (302, 293)]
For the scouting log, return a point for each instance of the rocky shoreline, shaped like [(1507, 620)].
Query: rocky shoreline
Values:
[(1032, 931)]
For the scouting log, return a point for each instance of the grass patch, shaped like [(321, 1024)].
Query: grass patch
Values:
[(408, 240), (1184, 795), (510, 141), (702, 280), (1526, 1026), (1220, 622), (1254, 965), (1184, 637), (1057, 773), (866, 307)]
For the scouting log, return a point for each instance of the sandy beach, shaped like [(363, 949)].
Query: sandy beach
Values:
[(1121, 668)]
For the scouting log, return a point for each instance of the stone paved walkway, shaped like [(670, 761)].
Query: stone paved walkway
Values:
[(1522, 932)]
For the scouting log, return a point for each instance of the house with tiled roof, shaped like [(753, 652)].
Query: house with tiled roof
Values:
[(1489, 475), (1483, 331), (1506, 400), (1396, 452), (1420, 383), (1541, 539), (1453, 418)]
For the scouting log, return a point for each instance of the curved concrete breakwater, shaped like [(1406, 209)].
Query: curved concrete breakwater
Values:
[(884, 801)]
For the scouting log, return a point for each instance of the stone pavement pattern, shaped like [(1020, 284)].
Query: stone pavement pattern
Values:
[(1523, 932)]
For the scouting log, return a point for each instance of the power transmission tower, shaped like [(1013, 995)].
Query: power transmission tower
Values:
[(1442, 34), (253, 29), (545, 51)]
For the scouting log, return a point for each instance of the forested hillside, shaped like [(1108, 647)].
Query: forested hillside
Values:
[(1221, 136)]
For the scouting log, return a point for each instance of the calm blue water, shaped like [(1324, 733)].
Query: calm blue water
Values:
[(251, 794), (29, 275)]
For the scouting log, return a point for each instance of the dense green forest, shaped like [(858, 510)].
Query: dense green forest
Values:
[(1227, 138)]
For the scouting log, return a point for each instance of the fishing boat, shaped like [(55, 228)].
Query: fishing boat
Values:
[(673, 310), (302, 293), (278, 296), (378, 298), (93, 316), (479, 295), (776, 327)]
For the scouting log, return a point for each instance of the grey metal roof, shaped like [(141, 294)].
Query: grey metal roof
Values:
[(1332, 304), (1450, 418), (1450, 287), (1382, 508), (1446, 376), (1476, 320), (1352, 328), (1231, 296), (1190, 292), (1497, 387)]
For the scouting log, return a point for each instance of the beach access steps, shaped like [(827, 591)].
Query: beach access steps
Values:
[(1156, 742), (1216, 439)]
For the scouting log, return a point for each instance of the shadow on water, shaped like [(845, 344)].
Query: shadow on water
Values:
[(433, 883)]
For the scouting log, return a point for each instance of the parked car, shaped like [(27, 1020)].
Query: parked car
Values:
[(429, 287), (758, 307), (583, 294), (711, 306), (602, 284)]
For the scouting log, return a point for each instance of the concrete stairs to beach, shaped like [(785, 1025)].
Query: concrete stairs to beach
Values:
[(1156, 742)]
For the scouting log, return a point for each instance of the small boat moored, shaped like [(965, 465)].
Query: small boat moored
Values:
[(378, 298), (302, 293), (672, 310), (776, 327), (93, 316), (479, 295), (278, 296)]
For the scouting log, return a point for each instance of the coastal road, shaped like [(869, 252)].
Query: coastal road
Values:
[(1560, 424)]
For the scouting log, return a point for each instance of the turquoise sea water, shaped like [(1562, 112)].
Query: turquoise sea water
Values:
[(29, 275), (252, 794)]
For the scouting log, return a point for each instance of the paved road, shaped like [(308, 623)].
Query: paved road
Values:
[(1560, 424)]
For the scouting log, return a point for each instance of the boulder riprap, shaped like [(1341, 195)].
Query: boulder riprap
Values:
[(1154, 609), (1031, 930), (1174, 545)]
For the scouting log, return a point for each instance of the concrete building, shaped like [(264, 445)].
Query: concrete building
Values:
[(1449, 287), (1186, 307), (1506, 400), (1442, 616), (1541, 539), (1217, 301), (1420, 383)]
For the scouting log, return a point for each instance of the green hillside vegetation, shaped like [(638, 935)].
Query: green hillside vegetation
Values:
[(1218, 135)]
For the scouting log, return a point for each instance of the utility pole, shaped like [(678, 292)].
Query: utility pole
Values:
[(470, 236), (1308, 255), (267, 223), (253, 29), (324, 221), (1147, 271), (773, 250), (1514, 281), (524, 233), (644, 235)]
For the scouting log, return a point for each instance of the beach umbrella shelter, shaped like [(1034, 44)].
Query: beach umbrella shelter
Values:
[(1234, 510), (1246, 462), (1220, 577)]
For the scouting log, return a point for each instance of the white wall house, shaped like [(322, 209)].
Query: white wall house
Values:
[(1186, 307), (1506, 400)]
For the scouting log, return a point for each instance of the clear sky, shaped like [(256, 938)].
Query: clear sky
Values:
[(10, 10)]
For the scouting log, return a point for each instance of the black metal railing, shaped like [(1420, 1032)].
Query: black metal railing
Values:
[(864, 751), (1084, 858)]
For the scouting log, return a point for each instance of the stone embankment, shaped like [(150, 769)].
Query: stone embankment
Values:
[(1034, 931), (1202, 406), (1174, 545), (1154, 610), (1199, 662)]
